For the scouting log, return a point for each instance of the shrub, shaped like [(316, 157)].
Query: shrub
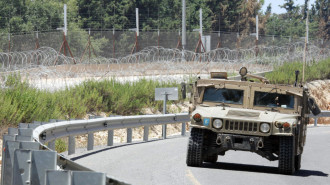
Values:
[(22, 103), (60, 145)]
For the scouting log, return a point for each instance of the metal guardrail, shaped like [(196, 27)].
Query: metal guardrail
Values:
[(27, 160), (324, 113)]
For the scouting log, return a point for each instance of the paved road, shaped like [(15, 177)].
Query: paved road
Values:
[(163, 162)]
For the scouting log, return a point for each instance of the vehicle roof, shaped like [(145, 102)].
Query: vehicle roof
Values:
[(212, 82)]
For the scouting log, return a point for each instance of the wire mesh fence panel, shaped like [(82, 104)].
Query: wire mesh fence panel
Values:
[(155, 55)]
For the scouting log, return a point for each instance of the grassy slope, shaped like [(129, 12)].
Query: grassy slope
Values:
[(21, 103), (285, 74)]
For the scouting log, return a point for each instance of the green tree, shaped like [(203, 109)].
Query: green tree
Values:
[(322, 8), (269, 9)]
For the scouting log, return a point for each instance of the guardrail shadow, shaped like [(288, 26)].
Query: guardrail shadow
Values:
[(261, 169)]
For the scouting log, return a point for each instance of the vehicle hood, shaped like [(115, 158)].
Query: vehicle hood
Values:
[(244, 114)]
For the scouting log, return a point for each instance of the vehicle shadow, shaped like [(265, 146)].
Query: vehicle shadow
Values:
[(260, 169)]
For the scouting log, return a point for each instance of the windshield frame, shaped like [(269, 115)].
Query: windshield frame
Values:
[(273, 90), (226, 86)]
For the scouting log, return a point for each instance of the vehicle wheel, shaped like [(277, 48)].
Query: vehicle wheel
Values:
[(211, 158), (297, 162), (286, 159), (195, 147)]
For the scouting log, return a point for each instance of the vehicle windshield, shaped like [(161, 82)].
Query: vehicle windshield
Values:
[(231, 96), (267, 99)]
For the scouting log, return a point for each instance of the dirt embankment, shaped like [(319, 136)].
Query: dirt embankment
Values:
[(320, 90)]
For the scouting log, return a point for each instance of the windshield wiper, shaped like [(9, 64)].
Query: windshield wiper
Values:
[(204, 105), (273, 109), (223, 105), (267, 94)]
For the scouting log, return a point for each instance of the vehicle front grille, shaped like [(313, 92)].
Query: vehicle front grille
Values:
[(244, 126)]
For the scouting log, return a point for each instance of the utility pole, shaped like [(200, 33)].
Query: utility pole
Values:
[(257, 27), (137, 20), (305, 49), (183, 24), (201, 22), (65, 21)]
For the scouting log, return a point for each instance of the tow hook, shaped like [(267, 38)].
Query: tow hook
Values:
[(260, 144), (251, 141), (218, 140), (228, 139)]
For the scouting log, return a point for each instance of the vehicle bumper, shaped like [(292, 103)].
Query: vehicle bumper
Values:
[(239, 142)]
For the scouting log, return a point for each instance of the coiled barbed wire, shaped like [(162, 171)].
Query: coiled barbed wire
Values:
[(45, 65)]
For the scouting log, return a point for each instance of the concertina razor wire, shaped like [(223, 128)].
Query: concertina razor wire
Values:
[(46, 68)]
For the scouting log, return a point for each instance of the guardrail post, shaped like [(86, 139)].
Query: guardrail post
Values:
[(164, 131), (183, 129), (79, 178), (54, 177), (22, 167), (41, 161), (9, 146), (129, 135), (315, 122), (110, 137), (24, 134), (23, 125), (146, 133), (90, 142), (51, 145), (12, 131), (72, 145)]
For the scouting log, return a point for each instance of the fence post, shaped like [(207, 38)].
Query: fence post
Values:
[(72, 145), (90, 142)]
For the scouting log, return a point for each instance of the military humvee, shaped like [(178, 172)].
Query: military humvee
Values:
[(268, 119)]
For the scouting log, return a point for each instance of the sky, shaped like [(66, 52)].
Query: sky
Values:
[(276, 9)]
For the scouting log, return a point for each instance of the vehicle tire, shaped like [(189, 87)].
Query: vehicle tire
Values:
[(286, 158), (211, 158), (297, 162), (195, 147)]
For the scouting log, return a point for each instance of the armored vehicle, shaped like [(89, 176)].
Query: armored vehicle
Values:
[(268, 119)]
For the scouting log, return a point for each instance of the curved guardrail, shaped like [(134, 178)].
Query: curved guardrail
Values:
[(27, 159)]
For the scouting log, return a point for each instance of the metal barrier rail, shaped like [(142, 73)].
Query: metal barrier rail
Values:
[(324, 113), (27, 160)]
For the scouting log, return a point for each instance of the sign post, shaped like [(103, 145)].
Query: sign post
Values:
[(166, 94)]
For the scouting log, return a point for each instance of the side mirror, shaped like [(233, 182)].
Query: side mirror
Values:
[(313, 106), (183, 90)]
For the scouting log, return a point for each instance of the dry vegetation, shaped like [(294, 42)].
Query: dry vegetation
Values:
[(320, 90)]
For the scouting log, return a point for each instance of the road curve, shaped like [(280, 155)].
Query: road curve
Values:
[(163, 162)]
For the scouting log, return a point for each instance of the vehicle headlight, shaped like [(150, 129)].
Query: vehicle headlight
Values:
[(264, 127), (217, 123)]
